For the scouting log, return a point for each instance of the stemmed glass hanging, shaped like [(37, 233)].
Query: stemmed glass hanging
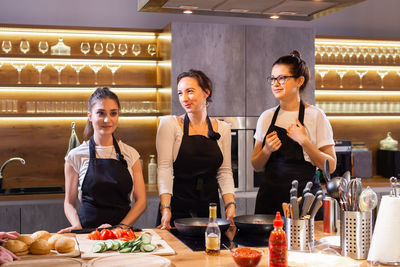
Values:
[(328, 51), (382, 74), (361, 74), (19, 67), (59, 67), (77, 68), (85, 48), (43, 47), (322, 73), (96, 68), (358, 52), (123, 49), (336, 52), (151, 49), (372, 52), (136, 49), (350, 52), (380, 53), (322, 52), (6, 46), (364, 51), (389, 52), (113, 68), (341, 73), (24, 46), (39, 67), (98, 48), (110, 48), (343, 52)]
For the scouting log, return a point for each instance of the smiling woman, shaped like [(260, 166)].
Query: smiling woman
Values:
[(103, 173)]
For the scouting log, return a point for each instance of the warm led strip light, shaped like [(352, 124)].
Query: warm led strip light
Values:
[(77, 61), (74, 89), (353, 42), (356, 67), (77, 33), (130, 118), (341, 93)]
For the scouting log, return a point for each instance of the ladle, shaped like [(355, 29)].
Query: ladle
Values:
[(332, 185)]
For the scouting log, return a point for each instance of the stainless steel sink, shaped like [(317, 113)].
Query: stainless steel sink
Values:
[(34, 190)]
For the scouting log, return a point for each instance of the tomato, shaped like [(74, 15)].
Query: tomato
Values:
[(118, 232), (131, 234), (95, 235), (106, 234)]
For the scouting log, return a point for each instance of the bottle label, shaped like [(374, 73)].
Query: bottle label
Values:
[(213, 212), (212, 242)]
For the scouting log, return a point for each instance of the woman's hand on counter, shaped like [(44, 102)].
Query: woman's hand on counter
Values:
[(68, 229), (165, 219), (230, 212)]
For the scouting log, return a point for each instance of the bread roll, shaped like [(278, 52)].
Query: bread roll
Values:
[(65, 245), (17, 247), (53, 239), (41, 235), (40, 247), (27, 239)]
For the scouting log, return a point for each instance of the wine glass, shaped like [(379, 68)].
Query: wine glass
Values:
[(136, 49), (98, 48), (351, 52), (59, 67), (382, 74), (43, 47), (343, 52), (389, 52), (19, 67), (329, 52), (122, 49), (96, 68), (322, 73), (336, 52), (372, 52), (24, 46), (361, 74), (77, 68), (113, 68), (322, 52), (380, 53), (364, 51), (110, 48), (85, 47), (39, 67), (358, 52), (151, 49), (6, 46), (341, 74)]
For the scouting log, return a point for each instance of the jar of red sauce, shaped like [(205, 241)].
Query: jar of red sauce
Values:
[(277, 244)]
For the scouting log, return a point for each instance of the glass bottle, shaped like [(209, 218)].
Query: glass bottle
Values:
[(277, 244), (213, 234), (60, 49)]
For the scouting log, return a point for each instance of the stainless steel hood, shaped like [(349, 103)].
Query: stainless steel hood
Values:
[(285, 9)]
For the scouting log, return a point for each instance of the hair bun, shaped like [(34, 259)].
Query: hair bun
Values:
[(295, 53)]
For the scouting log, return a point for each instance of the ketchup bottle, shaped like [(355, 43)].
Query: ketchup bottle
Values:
[(277, 244)]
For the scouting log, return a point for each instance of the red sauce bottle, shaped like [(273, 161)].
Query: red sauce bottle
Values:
[(277, 244)]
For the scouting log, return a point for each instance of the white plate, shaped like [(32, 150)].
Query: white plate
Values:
[(133, 260), (333, 241)]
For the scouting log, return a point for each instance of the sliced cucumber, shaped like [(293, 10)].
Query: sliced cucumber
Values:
[(125, 250), (99, 247), (148, 247), (146, 238), (125, 244), (109, 244), (115, 245)]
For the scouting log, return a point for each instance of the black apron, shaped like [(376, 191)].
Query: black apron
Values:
[(283, 166), (195, 174), (106, 189)]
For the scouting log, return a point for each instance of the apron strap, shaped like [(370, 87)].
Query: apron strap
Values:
[(211, 134), (92, 148), (301, 113), (120, 157), (186, 125), (275, 115)]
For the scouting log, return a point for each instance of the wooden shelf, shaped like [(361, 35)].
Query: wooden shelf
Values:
[(372, 66), (356, 89), (133, 86), (362, 114), (105, 57), (39, 115)]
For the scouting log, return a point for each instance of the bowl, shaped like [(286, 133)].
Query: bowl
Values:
[(247, 257)]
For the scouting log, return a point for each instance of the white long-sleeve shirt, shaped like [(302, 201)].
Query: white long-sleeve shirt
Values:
[(168, 143)]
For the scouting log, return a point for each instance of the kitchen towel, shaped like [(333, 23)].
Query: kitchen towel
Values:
[(385, 245)]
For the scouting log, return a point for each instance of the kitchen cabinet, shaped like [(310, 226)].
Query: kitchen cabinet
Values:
[(43, 92), (358, 87), (237, 59), (10, 218)]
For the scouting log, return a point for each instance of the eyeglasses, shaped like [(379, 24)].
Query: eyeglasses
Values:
[(281, 79)]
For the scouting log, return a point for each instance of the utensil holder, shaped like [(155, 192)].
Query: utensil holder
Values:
[(355, 233), (300, 234)]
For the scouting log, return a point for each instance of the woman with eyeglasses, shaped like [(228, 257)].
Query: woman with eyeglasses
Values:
[(292, 139)]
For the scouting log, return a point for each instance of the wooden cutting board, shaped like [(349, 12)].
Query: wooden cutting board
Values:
[(86, 246), (46, 262), (147, 260)]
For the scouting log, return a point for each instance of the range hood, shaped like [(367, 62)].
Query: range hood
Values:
[(286, 9)]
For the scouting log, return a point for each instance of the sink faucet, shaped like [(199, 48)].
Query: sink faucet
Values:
[(5, 164)]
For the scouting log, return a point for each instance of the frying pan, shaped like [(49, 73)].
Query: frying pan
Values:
[(248, 223), (197, 226)]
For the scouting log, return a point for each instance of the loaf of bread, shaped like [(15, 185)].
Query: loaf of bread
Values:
[(17, 247), (41, 235), (27, 239), (53, 239), (65, 245), (40, 247)]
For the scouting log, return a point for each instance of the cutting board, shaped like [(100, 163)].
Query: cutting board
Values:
[(130, 260), (86, 246), (46, 262)]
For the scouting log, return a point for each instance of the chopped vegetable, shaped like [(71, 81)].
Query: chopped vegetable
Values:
[(140, 244)]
